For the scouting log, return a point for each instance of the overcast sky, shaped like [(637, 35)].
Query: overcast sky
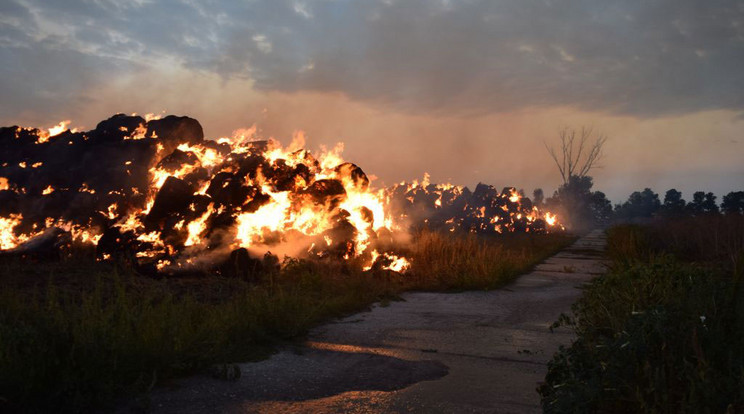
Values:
[(465, 90)]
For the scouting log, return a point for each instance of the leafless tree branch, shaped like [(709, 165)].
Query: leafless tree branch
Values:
[(579, 155)]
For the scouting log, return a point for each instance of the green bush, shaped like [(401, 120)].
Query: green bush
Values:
[(658, 333)]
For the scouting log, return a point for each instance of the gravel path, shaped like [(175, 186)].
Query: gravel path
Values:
[(471, 352)]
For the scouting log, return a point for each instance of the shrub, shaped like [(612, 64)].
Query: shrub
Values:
[(659, 332)]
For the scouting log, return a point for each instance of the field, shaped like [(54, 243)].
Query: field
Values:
[(663, 331), (78, 335)]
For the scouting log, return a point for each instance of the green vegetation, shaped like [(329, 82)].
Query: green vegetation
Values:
[(663, 331), (77, 335)]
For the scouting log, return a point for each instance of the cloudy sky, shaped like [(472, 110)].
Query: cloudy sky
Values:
[(465, 90)]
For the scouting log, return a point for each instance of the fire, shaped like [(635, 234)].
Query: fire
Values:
[(138, 133), (551, 219), (397, 264), (197, 227), (389, 262), (485, 210), (514, 197), (61, 127), (8, 239), (156, 191)]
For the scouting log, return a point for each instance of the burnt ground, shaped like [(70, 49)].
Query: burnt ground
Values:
[(432, 352)]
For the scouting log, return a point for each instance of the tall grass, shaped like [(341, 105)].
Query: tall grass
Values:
[(78, 335), (716, 240), (466, 262), (663, 331)]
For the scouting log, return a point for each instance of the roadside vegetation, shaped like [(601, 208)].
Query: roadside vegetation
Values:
[(663, 331), (78, 335)]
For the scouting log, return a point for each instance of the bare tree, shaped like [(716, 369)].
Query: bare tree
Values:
[(579, 153)]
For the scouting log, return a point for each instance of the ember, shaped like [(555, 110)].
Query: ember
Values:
[(154, 192), (454, 208)]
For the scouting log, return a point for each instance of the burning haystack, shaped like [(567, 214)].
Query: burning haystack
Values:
[(155, 193)]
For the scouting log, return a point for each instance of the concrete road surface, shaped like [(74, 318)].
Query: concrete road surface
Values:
[(472, 352)]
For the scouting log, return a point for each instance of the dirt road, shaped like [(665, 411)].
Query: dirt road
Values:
[(472, 352)]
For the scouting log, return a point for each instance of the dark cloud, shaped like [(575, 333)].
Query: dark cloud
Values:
[(637, 57), (632, 57)]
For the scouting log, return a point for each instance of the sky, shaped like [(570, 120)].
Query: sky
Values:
[(468, 91)]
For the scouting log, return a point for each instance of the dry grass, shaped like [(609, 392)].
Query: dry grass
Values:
[(77, 334)]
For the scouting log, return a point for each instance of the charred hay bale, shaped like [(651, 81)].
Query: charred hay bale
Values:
[(223, 149), (45, 247), (242, 266), (114, 166), (384, 239), (354, 174), (9, 202), (257, 199), (175, 130), (198, 206), (525, 204), (116, 128), (342, 235), (115, 244), (16, 176), (484, 193), (230, 190), (258, 147), (173, 198), (8, 136), (13, 138), (286, 178), (539, 226), (219, 227), (197, 177), (251, 164), (59, 141), (177, 159), (57, 204), (330, 192)]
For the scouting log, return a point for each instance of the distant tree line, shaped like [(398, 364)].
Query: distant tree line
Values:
[(580, 208), (646, 203)]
